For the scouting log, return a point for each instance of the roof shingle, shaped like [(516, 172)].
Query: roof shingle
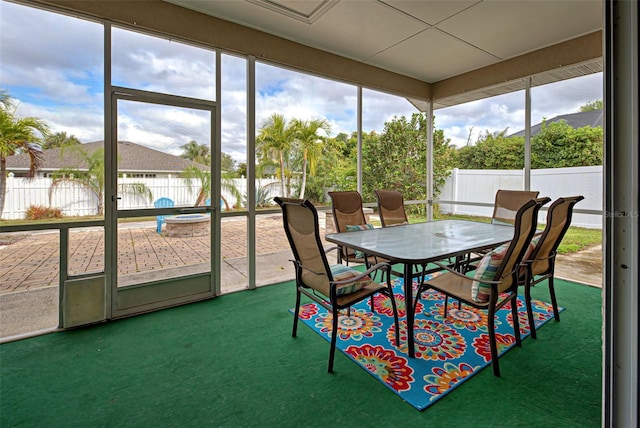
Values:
[(131, 158)]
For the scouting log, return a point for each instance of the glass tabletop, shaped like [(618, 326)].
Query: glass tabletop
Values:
[(424, 242)]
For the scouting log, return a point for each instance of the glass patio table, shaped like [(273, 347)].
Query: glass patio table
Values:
[(421, 243)]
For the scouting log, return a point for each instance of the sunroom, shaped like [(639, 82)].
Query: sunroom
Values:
[(249, 39)]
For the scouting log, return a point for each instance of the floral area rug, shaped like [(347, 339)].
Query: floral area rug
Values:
[(448, 352)]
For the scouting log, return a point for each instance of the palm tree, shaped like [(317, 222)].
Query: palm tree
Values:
[(192, 171), (18, 135), (274, 141), (60, 139), (306, 133), (92, 178), (199, 153)]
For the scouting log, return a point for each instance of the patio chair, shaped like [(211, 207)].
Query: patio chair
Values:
[(349, 216), (540, 262), (391, 207), (162, 203), (495, 282), (507, 204), (392, 213), (505, 207), (315, 278)]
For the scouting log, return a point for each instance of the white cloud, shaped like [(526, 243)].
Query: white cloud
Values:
[(58, 76), (508, 111)]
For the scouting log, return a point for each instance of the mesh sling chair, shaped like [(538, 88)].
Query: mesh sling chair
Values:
[(505, 207), (334, 287), (391, 207), (540, 263), (347, 214), (507, 204), (392, 213), (495, 282)]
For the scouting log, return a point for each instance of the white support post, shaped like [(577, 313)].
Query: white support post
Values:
[(430, 161), (527, 136), (454, 183), (359, 120)]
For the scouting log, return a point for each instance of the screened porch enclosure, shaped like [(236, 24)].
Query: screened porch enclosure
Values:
[(224, 48)]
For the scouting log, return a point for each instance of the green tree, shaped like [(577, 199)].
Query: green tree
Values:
[(18, 135), (493, 151), (273, 144), (592, 105), (397, 160), (199, 153), (228, 164), (558, 145), (60, 139), (336, 169), (91, 177), (241, 170), (306, 135)]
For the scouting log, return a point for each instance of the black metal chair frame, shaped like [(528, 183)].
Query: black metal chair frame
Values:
[(509, 295), (334, 305), (530, 279)]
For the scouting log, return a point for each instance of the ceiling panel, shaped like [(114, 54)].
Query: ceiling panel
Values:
[(360, 29), (432, 11), (510, 28), (432, 56)]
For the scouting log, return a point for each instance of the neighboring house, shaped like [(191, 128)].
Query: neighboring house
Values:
[(591, 118), (133, 159)]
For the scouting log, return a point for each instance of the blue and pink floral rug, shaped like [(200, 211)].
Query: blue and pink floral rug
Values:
[(448, 352)]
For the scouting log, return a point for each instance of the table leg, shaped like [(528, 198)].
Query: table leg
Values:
[(408, 303)]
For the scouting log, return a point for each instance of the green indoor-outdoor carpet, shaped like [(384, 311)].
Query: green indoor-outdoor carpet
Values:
[(448, 351), (231, 362)]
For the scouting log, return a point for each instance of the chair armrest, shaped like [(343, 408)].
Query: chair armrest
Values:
[(301, 266), (537, 259), (379, 266), (328, 250)]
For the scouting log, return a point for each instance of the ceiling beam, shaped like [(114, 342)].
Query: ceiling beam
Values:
[(572, 52)]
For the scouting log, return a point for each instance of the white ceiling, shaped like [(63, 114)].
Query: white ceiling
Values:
[(429, 40)]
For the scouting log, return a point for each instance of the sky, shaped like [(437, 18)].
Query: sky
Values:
[(52, 65)]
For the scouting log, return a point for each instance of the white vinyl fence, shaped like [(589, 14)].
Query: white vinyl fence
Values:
[(76, 200), (474, 185)]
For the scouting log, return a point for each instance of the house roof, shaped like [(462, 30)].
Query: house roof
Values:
[(591, 118), (132, 158)]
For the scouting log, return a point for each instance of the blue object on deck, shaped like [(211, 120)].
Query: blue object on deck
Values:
[(162, 203), (208, 202)]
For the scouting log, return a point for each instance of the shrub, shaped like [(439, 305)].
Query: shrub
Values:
[(37, 212)]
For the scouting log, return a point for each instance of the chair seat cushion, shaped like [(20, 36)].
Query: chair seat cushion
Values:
[(344, 273), (486, 271), (354, 228)]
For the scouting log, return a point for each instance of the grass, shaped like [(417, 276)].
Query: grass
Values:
[(576, 239)]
